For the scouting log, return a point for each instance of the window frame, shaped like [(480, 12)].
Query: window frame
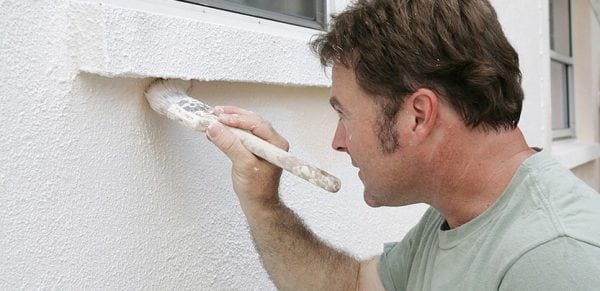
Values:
[(568, 61), (319, 22)]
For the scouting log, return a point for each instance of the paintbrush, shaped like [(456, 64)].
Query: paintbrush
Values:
[(169, 97)]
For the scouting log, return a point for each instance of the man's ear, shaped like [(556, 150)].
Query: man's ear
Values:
[(424, 106)]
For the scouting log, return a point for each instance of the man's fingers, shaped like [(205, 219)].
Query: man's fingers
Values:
[(254, 180), (248, 120), (244, 119), (227, 142), (230, 110)]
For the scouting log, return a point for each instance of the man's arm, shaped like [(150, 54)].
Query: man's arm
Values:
[(368, 277), (292, 255), (295, 258)]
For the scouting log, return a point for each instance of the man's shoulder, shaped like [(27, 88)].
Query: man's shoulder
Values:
[(562, 202), (543, 203), (563, 263), (546, 175)]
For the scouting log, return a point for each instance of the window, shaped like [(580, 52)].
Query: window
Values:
[(307, 13), (561, 69)]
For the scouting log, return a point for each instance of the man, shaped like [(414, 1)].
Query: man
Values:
[(428, 94)]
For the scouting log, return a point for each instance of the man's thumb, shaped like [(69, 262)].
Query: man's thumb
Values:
[(226, 141)]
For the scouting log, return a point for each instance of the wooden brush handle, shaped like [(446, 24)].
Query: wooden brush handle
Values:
[(169, 97), (287, 161)]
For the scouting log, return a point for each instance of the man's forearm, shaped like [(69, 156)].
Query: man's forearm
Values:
[(294, 257)]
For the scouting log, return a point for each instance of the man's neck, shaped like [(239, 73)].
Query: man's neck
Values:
[(476, 171)]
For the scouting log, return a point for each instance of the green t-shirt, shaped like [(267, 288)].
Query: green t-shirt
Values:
[(543, 233)]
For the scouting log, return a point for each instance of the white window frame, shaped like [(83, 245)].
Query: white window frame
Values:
[(568, 61)]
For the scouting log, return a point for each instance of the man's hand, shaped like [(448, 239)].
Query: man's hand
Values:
[(255, 181)]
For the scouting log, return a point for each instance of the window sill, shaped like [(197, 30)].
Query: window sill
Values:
[(572, 153), (170, 39)]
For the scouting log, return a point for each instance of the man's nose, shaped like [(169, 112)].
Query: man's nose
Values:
[(339, 139)]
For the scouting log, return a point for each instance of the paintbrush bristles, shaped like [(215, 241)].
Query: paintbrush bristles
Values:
[(169, 97), (159, 91)]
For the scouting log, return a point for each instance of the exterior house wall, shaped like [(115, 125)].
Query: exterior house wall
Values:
[(99, 192), (586, 49)]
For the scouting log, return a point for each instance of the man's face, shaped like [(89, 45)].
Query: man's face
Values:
[(386, 176)]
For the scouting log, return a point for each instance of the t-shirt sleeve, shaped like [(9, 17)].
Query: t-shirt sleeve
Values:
[(561, 264), (396, 260), (393, 265)]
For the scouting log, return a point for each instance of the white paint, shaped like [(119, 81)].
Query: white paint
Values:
[(116, 40), (100, 192)]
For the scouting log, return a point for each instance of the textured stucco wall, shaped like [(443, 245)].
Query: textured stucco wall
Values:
[(99, 192), (141, 39)]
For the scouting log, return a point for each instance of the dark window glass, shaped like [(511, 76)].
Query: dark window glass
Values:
[(560, 91), (307, 13), (560, 26)]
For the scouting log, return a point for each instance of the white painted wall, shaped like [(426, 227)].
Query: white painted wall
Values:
[(99, 192)]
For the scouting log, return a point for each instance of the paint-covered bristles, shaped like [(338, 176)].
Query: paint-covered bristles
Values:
[(169, 97)]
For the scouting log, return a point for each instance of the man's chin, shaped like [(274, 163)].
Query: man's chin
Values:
[(371, 201)]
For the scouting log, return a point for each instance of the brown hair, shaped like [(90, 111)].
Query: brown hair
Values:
[(454, 47)]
